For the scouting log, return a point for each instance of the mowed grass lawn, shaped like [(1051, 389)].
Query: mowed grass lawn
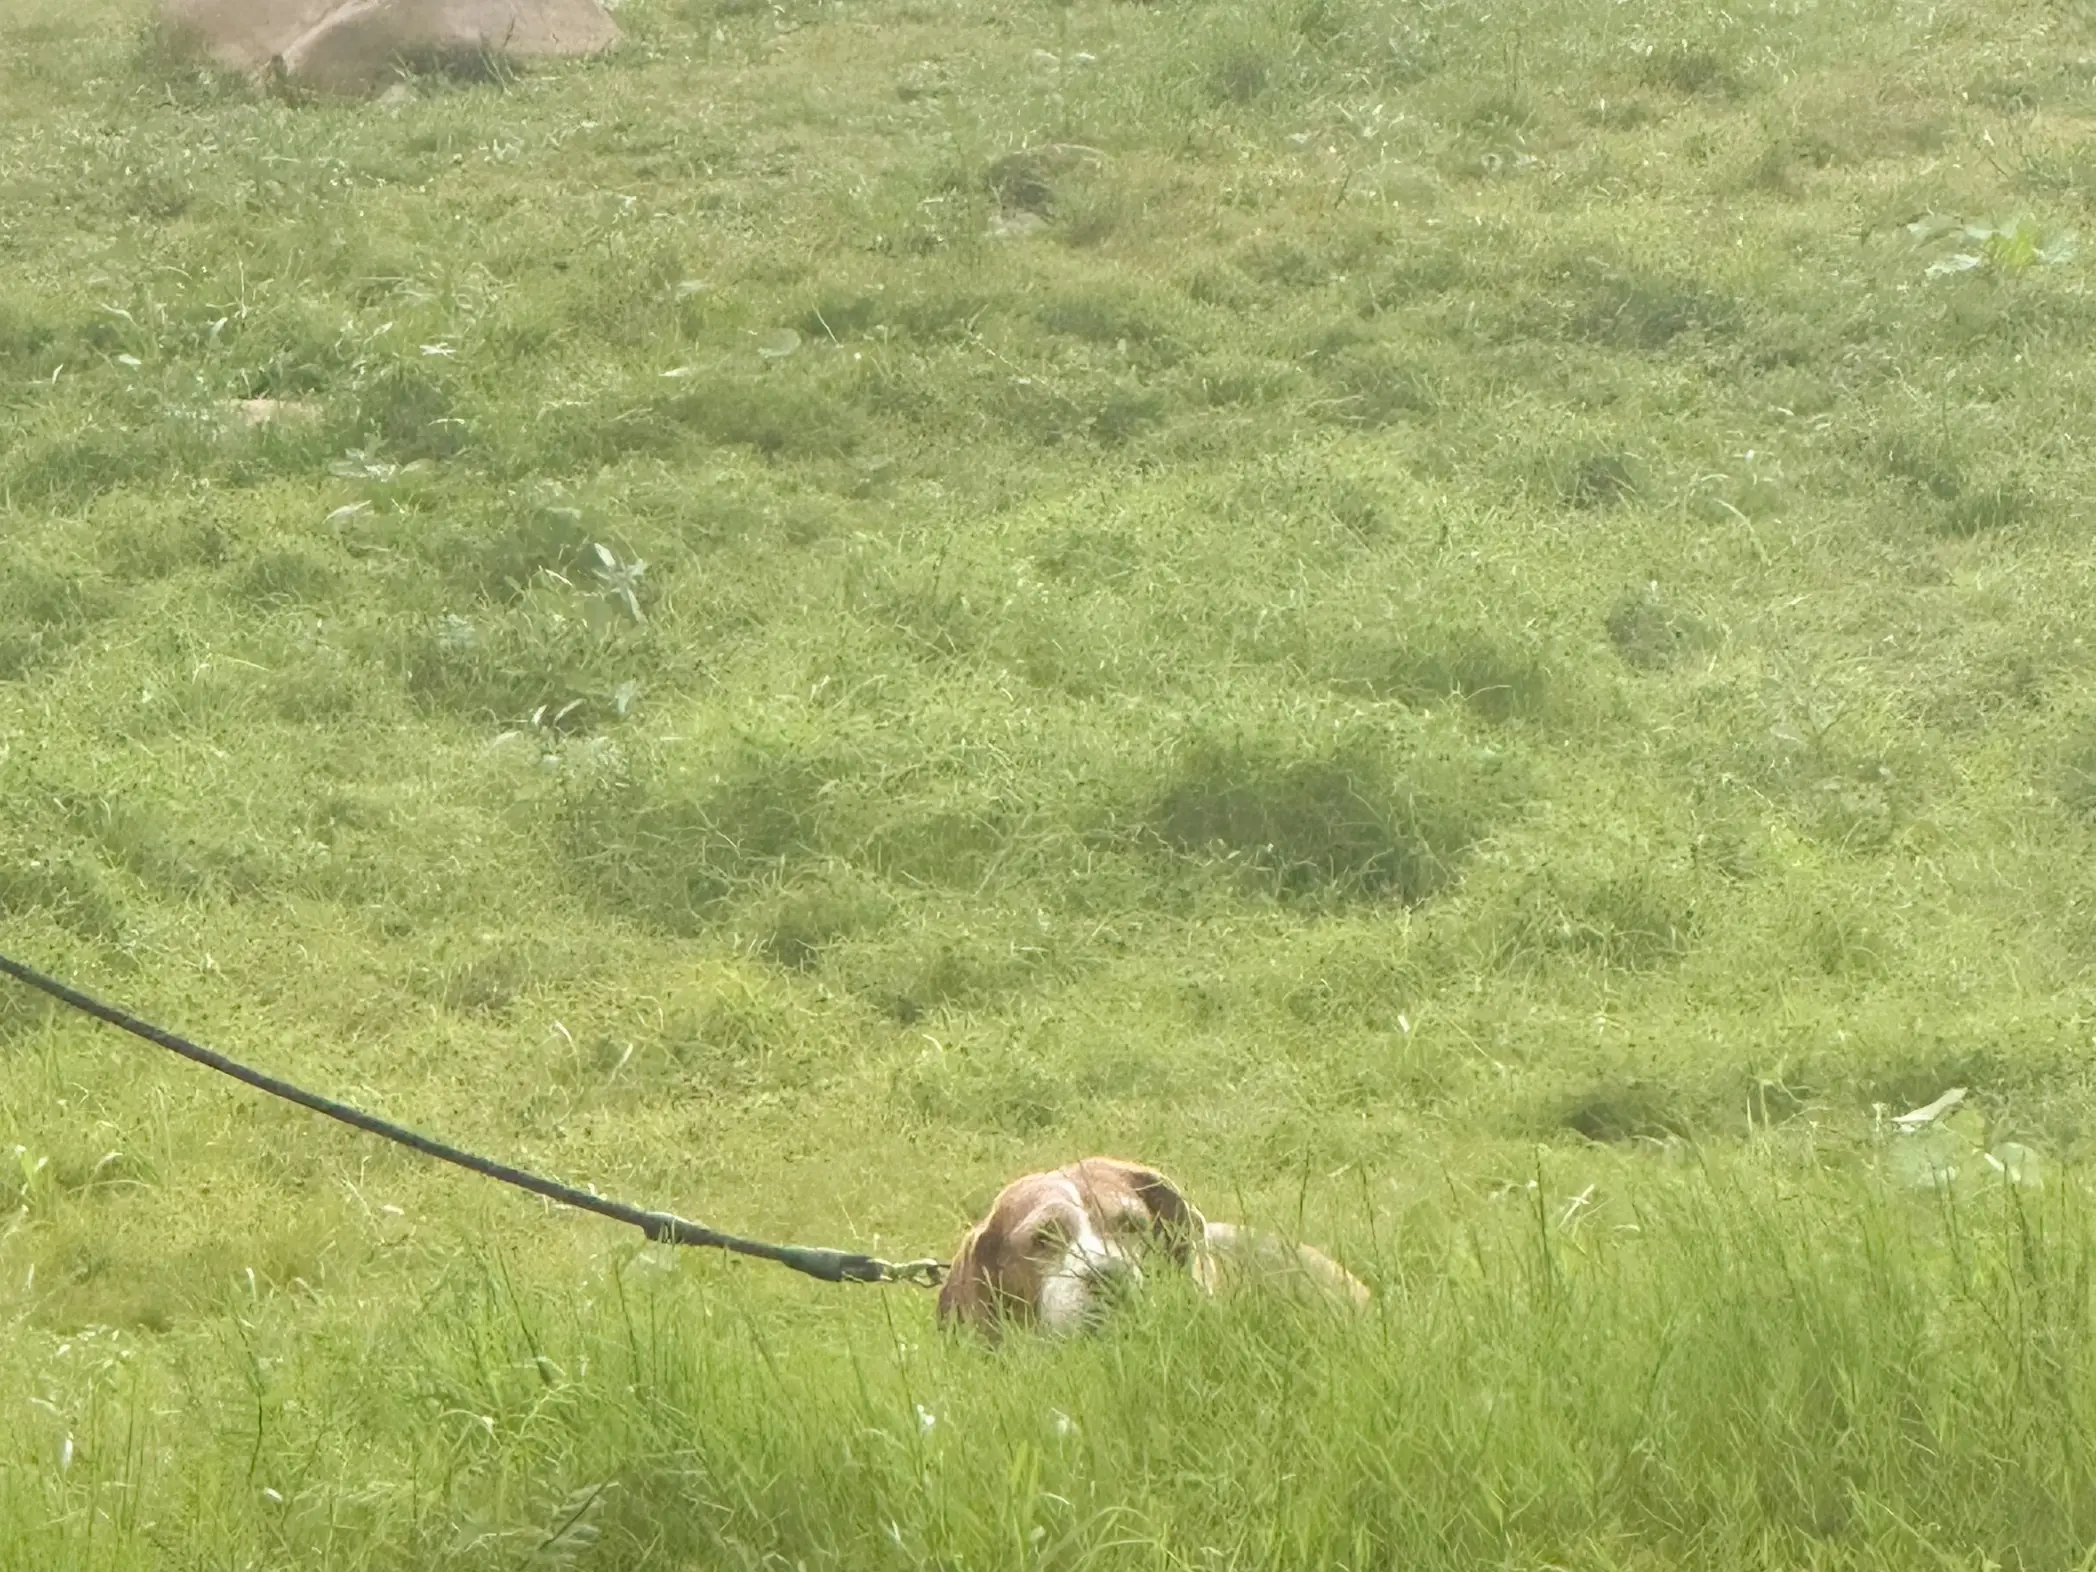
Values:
[(1466, 624)]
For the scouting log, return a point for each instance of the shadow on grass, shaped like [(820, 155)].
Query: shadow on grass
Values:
[(1359, 819)]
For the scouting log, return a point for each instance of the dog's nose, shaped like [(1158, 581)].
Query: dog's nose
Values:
[(1106, 1263)]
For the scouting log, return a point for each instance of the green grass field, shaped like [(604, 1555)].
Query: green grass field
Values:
[(1467, 625)]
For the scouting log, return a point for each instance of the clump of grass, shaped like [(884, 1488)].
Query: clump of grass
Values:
[(1597, 480), (1112, 321), (63, 886), (1623, 919), (1035, 179), (1776, 170), (1691, 70), (1846, 941), (1620, 1109), (1843, 777), (289, 575), (33, 340), (500, 560), (45, 610), (956, 966), (1360, 818), (1497, 675), (736, 1032), (139, 838), (2076, 774), (1635, 308), (487, 983), (1932, 466), (1003, 1087), (780, 415), (672, 848), (1498, 110), (408, 411), (534, 667), (1988, 507), (1651, 634), (1240, 74), (1376, 385), (1962, 503), (797, 924)]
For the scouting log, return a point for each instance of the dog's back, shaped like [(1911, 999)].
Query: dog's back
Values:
[(1232, 1256)]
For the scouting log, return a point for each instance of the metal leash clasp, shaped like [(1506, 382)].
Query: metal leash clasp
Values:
[(926, 1273)]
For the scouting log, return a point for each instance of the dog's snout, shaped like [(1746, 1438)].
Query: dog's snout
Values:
[(1093, 1272), (1103, 1260)]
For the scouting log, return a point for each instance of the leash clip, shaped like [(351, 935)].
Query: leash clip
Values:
[(927, 1273)]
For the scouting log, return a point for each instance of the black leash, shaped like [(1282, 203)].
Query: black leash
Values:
[(832, 1266)]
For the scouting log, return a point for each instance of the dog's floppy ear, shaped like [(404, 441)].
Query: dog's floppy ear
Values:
[(966, 1293), (1172, 1216)]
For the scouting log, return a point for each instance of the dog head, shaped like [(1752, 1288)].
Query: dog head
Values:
[(1056, 1245)]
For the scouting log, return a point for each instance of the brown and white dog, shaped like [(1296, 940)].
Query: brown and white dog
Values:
[(1056, 1247)]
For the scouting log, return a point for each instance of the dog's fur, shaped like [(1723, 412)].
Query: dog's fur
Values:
[(1056, 1247), (1232, 1256), (356, 46)]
